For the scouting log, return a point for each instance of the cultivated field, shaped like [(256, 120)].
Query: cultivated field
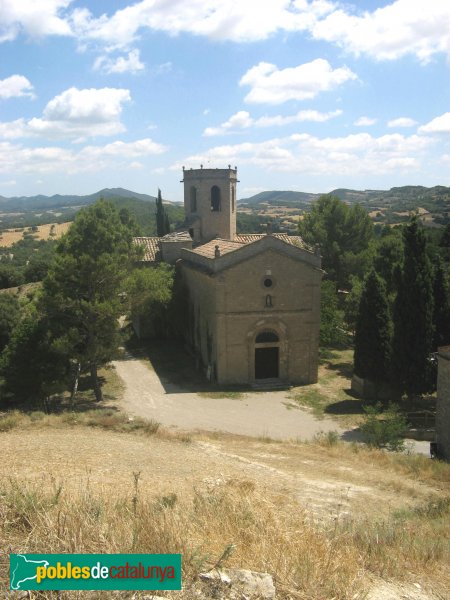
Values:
[(44, 232)]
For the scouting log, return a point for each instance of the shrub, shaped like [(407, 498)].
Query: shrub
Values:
[(384, 429)]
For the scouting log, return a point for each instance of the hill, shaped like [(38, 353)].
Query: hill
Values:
[(273, 197), (39, 202), (384, 206)]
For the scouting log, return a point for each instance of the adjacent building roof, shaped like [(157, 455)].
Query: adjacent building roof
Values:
[(152, 249), (295, 240), (224, 246)]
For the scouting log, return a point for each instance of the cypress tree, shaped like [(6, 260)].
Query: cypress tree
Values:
[(162, 218), (373, 332), (413, 316), (160, 225)]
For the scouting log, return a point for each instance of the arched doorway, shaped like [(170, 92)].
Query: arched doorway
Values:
[(267, 355)]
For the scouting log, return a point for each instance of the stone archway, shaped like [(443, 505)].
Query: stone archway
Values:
[(268, 350), (267, 355)]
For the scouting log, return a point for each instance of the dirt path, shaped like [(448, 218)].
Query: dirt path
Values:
[(258, 414)]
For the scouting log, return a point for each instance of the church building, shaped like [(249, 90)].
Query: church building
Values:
[(253, 300)]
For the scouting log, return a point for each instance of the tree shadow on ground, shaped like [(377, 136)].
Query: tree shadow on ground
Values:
[(344, 369), (350, 406), (177, 369), (353, 435), (60, 403)]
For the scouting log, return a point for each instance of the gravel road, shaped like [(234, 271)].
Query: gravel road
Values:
[(269, 413)]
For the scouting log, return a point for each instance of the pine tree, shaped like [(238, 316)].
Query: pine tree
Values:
[(413, 316), (373, 332), (81, 291)]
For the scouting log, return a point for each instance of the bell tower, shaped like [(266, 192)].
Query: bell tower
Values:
[(210, 203)]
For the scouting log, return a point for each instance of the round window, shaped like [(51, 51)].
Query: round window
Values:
[(268, 282)]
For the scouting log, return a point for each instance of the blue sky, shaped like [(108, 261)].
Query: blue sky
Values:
[(305, 95)]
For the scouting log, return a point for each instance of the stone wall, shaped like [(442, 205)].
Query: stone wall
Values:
[(211, 224), (202, 334), (443, 403), (293, 313)]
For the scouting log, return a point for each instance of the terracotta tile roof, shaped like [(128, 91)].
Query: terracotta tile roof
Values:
[(151, 248), (209, 249), (294, 240), (177, 236), (152, 251)]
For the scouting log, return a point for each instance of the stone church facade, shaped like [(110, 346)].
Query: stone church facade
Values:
[(253, 300)]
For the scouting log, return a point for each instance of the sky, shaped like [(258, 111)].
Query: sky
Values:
[(306, 95)]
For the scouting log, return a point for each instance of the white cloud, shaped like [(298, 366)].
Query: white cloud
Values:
[(302, 116), (364, 122), (129, 64), (15, 86), (438, 125), (302, 153), (13, 129), (75, 113), (36, 19), (269, 85), (402, 122), (400, 28), (239, 21), (242, 120), (118, 155)]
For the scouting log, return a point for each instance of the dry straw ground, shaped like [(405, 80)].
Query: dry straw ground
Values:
[(326, 519)]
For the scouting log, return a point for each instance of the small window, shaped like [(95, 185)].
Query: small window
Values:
[(266, 337), (193, 199), (215, 199), (268, 282)]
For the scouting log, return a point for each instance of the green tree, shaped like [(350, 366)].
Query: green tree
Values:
[(150, 293), (389, 256), (162, 218), (332, 332), (413, 316), (9, 317), (82, 289), (343, 232), (373, 332), (351, 303), (33, 365)]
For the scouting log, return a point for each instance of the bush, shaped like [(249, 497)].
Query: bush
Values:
[(384, 429)]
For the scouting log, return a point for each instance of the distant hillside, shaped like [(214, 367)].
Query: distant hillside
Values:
[(282, 208), (40, 202), (384, 206), (282, 197), (23, 211)]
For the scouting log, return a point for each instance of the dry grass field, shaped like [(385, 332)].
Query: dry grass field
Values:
[(326, 519), (11, 236)]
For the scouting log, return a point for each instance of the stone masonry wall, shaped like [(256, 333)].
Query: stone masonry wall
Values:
[(443, 403)]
